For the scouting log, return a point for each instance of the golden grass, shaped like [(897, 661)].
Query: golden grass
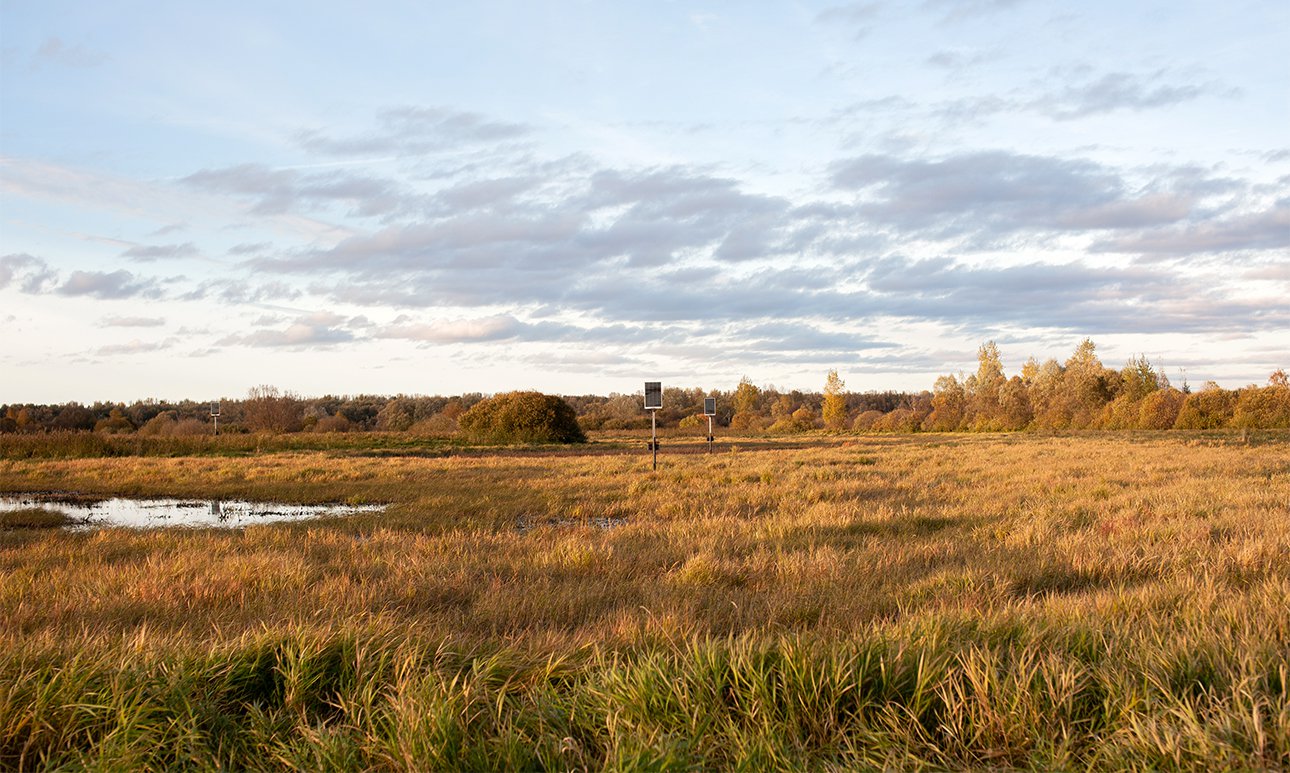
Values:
[(35, 518), (1040, 568)]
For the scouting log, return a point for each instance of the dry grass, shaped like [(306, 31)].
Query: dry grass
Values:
[(35, 518), (948, 601)]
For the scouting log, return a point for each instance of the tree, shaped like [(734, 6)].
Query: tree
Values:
[(266, 409), (984, 410), (949, 400), (396, 416), (115, 424), (1085, 385), (745, 399), (522, 417), (835, 402), (746, 396), (1139, 378), (1210, 408)]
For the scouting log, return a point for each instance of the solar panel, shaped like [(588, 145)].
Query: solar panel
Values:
[(653, 395)]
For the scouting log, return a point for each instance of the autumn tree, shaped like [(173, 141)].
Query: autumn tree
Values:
[(835, 402), (745, 402), (1210, 408), (984, 388), (949, 403), (267, 409), (115, 424)]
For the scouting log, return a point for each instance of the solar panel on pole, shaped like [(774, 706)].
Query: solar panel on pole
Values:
[(653, 395), (653, 402)]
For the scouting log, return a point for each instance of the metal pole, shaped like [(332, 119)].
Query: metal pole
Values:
[(709, 434), (653, 428)]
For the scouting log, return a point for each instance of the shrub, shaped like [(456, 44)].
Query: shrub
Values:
[(332, 424), (1210, 408), (865, 421), (439, 425), (1262, 408), (694, 421), (522, 417), (1159, 410)]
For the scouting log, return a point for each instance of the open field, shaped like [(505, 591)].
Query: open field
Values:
[(1093, 601)]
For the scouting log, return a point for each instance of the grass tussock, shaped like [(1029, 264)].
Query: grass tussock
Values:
[(1091, 602), (35, 518)]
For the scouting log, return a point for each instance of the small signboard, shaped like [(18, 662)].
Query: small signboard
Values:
[(215, 409), (653, 395), (709, 406)]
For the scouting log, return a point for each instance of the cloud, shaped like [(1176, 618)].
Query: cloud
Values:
[(108, 285), (144, 253), (958, 59), (1265, 230), (249, 248), (962, 10), (133, 321), (415, 131), (278, 191), (169, 229), (308, 331), (28, 272), (998, 193), (55, 51), (134, 347), (1072, 296), (494, 328), (860, 17), (1115, 91)]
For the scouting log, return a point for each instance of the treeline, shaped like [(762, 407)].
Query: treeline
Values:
[(1080, 393), (268, 409)]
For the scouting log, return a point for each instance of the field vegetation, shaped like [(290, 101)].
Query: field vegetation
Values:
[(1088, 601)]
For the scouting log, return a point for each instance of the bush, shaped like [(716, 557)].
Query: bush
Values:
[(522, 417), (1210, 408)]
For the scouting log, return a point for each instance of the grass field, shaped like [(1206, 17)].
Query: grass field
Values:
[(1091, 601)]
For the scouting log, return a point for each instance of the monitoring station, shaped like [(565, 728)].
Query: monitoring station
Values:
[(653, 402), (710, 410)]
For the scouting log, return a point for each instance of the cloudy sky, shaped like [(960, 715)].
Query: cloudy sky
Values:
[(415, 197)]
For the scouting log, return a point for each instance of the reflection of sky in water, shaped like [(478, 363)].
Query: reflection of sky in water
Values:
[(141, 513)]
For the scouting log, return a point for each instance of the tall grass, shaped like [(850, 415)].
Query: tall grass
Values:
[(1090, 602)]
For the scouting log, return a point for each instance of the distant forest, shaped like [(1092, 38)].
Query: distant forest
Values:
[(1080, 393)]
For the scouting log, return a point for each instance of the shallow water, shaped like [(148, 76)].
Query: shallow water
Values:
[(150, 513)]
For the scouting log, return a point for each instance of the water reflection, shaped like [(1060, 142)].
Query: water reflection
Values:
[(144, 513)]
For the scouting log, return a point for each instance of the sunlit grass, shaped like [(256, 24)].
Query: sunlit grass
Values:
[(938, 601), (35, 518)]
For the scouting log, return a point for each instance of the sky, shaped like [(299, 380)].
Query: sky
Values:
[(438, 198)]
